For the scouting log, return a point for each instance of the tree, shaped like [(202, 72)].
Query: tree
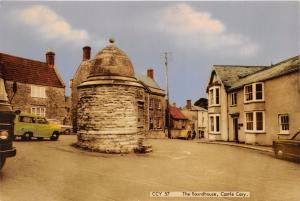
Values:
[(202, 102)]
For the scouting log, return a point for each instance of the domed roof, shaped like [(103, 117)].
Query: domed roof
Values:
[(111, 61)]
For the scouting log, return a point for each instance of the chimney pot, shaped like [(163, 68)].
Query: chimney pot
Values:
[(189, 104), (86, 53), (150, 73), (50, 58)]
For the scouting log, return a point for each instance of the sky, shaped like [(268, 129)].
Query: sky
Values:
[(196, 35)]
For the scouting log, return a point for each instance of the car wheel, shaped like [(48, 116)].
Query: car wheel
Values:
[(67, 132), (279, 153), (54, 136), (2, 162), (26, 136)]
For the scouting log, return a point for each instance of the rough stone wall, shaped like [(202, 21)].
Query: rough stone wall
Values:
[(192, 115), (67, 120), (54, 103), (81, 75), (108, 118), (142, 104)]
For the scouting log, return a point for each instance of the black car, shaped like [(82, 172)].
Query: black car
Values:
[(289, 148), (7, 117)]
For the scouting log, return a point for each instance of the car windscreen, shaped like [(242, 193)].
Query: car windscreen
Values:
[(26, 119), (297, 136)]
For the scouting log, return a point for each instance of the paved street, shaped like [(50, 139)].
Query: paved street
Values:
[(56, 171)]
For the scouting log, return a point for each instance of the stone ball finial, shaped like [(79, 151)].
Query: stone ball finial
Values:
[(111, 41)]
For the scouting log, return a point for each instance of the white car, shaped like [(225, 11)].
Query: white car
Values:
[(64, 129)]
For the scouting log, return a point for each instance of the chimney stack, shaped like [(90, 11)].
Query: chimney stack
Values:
[(150, 73), (189, 104), (86, 53), (50, 58)]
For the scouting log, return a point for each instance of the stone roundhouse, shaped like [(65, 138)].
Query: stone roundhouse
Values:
[(108, 110)]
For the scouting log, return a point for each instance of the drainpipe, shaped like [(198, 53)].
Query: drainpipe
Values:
[(148, 115), (227, 116)]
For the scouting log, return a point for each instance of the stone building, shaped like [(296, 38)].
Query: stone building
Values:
[(198, 116), (152, 101), (112, 104), (80, 75), (155, 105), (40, 89), (254, 104)]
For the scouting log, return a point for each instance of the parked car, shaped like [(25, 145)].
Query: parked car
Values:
[(7, 117), (187, 134), (29, 125), (288, 148), (64, 129)]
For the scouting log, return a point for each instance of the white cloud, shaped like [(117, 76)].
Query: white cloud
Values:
[(50, 25), (200, 30)]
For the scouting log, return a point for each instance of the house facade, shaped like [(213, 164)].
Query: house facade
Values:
[(151, 100), (155, 105), (178, 121), (198, 116), (40, 89), (254, 104)]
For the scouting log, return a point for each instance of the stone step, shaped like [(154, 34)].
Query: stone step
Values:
[(144, 149), (148, 150), (147, 146)]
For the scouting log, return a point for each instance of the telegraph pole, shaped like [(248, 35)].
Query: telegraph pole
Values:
[(168, 103)]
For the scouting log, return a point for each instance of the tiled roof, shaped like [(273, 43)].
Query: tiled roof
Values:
[(29, 71), (150, 83), (176, 113), (233, 76), (281, 68), (229, 74)]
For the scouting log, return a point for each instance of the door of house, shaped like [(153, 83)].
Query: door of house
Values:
[(236, 129)]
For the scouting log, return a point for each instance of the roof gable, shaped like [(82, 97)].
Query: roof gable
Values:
[(150, 84), (230, 74), (176, 113), (30, 71)]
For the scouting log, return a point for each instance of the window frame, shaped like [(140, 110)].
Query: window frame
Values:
[(254, 92), (281, 131), (159, 105), (254, 121), (212, 95), (151, 104), (233, 96), (40, 113), (151, 124), (38, 91), (214, 117)]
